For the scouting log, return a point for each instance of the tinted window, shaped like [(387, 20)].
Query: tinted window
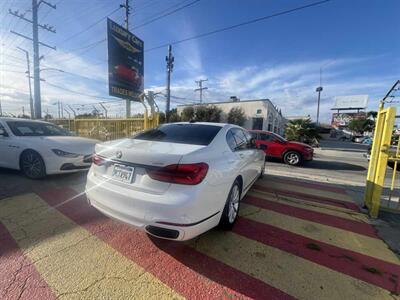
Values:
[(240, 138), (254, 135), (231, 140), (194, 134), (28, 128), (266, 137)]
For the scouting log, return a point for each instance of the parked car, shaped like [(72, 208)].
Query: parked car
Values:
[(367, 141), (358, 138), (175, 181), (40, 148), (292, 153)]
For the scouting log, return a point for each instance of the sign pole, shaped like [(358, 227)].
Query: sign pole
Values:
[(127, 12)]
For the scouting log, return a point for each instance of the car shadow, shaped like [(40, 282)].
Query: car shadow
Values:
[(333, 165)]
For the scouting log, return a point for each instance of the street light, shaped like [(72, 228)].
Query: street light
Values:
[(318, 90)]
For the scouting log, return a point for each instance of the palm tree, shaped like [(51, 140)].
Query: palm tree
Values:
[(301, 130)]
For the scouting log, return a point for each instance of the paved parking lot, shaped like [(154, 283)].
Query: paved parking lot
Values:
[(294, 239)]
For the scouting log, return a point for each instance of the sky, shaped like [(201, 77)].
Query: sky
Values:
[(353, 42)]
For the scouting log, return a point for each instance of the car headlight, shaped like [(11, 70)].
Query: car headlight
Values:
[(62, 153)]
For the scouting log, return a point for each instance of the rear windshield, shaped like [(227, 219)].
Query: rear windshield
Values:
[(193, 134)]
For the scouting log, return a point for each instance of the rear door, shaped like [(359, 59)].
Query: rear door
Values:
[(244, 154), (267, 139)]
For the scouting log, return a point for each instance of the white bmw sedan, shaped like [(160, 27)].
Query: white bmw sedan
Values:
[(40, 148), (175, 181)]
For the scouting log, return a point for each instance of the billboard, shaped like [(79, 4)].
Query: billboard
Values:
[(343, 119), (351, 102), (125, 62)]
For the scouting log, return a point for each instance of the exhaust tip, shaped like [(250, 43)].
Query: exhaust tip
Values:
[(162, 232)]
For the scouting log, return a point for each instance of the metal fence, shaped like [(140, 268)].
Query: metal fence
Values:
[(108, 129), (382, 192)]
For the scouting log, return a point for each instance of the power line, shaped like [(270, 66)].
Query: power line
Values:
[(285, 12), (75, 92), (168, 13), (89, 27)]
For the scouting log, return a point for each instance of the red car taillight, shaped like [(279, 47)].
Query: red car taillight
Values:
[(190, 174), (97, 160)]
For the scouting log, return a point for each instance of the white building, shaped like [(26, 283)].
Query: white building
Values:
[(260, 114)]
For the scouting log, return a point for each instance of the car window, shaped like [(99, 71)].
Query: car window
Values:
[(2, 128), (29, 128), (254, 135), (240, 138), (231, 140), (193, 134), (266, 137)]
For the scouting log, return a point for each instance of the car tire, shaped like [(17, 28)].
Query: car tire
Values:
[(231, 208), (32, 165), (292, 158)]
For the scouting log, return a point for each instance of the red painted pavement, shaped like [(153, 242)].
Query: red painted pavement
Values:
[(309, 215), (311, 185), (335, 258), (185, 270), (309, 197), (18, 277)]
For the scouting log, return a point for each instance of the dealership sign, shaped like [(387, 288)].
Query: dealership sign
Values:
[(125, 62)]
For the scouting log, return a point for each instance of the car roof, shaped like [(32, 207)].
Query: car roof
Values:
[(258, 130), (204, 123), (20, 120)]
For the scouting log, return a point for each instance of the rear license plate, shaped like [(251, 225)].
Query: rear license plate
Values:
[(123, 173)]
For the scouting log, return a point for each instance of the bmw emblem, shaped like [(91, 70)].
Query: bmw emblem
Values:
[(118, 154)]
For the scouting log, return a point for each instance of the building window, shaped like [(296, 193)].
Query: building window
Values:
[(258, 111)]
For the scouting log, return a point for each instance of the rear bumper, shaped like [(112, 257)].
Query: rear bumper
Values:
[(175, 214)]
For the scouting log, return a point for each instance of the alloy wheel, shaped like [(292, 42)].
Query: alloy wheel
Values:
[(234, 203)]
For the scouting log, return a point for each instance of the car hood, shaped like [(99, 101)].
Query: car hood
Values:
[(73, 144), (298, 144)]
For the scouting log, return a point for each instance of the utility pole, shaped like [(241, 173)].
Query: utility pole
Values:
[(170, 66), (201, 88), (29, 82), (36, 43), (127, 13), (318, 90)]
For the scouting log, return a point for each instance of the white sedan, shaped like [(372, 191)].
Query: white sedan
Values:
[(40, 148), (175, 181)]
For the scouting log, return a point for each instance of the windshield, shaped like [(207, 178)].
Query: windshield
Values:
[(193, 134), (278, 137), (27, 128)]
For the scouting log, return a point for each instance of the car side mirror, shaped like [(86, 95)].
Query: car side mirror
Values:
[(263, 147), (253, 143), (3, 132)]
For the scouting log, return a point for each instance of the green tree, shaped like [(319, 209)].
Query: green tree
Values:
[(361, 125), (173, 116), (301, 130), (236, 116), (161, 117), (207, 113), (187, 113)]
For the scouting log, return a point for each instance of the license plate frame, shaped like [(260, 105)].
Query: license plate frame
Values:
[(123, 173)]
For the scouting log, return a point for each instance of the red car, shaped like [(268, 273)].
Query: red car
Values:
[(292, 153)]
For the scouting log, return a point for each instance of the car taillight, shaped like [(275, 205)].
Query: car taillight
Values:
[(190, 174), (97, 160)]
